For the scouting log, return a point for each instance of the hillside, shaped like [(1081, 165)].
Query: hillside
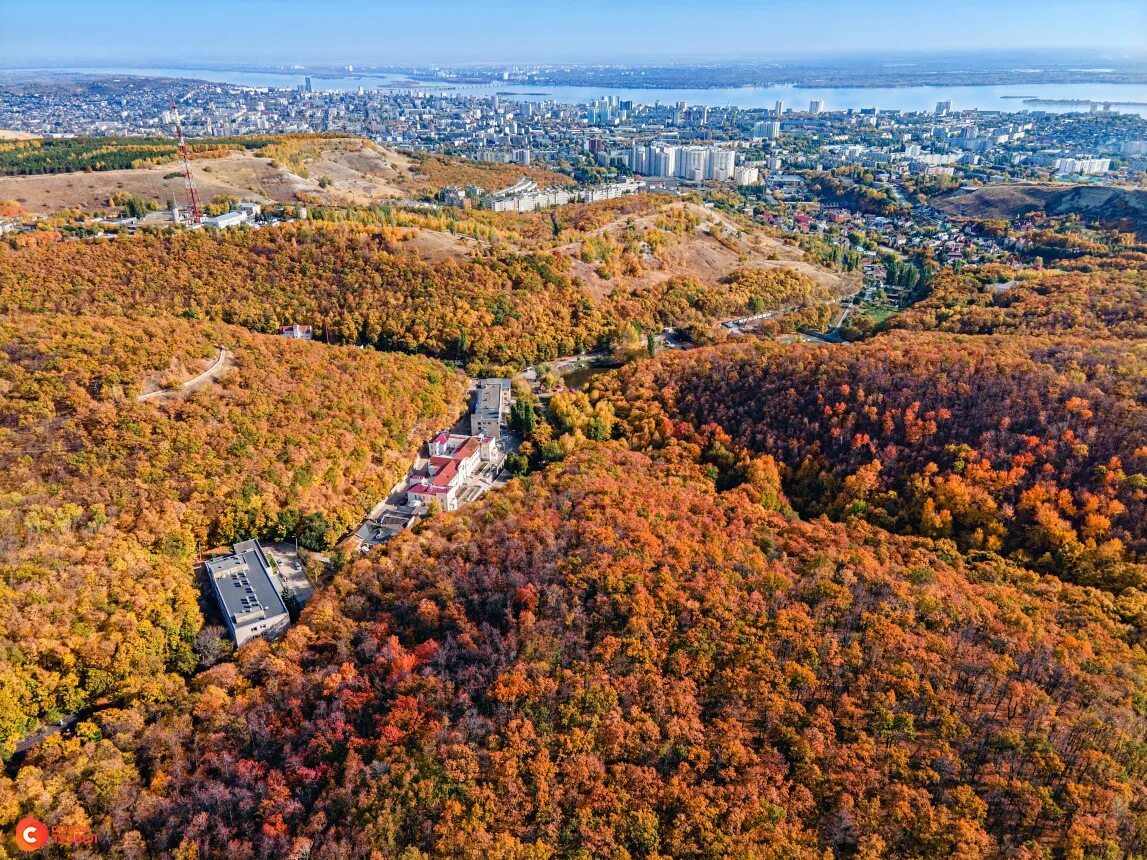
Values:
[(1033, 448), (106, 501), (353, 172), (1124, 208), (358, 174), (685, 240), (429, 173), (613, 660), (1107, 299), (766, 599), (371, 285)]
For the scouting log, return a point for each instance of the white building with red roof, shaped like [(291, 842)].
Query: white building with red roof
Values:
[(453, 460)]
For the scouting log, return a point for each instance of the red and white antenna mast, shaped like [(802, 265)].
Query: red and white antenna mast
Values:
[(192, 193)]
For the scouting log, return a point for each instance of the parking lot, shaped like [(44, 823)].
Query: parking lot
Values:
[(289, 571)]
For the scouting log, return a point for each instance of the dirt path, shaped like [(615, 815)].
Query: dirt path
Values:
[(222, 365), (699, 254)]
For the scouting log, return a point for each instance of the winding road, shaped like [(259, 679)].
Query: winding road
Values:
[(222, 363)]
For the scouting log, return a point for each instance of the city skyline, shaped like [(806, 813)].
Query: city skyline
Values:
[(289, 31)]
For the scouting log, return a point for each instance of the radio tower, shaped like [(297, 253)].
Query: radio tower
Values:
[(192, 193)]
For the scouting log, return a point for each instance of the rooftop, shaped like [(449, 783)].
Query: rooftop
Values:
[(244, 585), (490, 397)]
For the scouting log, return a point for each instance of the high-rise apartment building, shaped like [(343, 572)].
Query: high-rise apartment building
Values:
[(692, 163), (721, 164), (695, 163)]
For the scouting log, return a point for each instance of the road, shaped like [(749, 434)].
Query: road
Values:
[(670, 336), (222, 363), (45, 731), (65, 725)]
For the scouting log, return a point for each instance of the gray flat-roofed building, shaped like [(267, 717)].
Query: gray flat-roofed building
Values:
[(491, 403), (227, 219), (245, 590)]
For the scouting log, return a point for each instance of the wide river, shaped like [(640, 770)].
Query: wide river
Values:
[(834, 98)]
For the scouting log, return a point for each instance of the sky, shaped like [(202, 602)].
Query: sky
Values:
[(76, 32)]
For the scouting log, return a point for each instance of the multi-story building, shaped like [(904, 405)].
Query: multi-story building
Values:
[(1082, 166), (746, 175), (694, 163), (664, 161), (245, 590), (491, 405), (610, 190), (453, 460), (721, 164), (452, 195)]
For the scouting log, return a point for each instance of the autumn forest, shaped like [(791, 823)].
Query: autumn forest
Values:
[(761, 596)]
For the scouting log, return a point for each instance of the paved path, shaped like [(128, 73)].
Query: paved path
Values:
[(222, 363), (66, 725)]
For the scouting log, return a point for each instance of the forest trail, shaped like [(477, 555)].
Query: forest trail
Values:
[(221, 365)]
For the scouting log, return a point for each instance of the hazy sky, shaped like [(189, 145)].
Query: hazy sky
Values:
[(444, 31)]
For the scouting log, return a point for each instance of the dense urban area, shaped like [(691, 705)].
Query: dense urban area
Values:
[(607, 135)]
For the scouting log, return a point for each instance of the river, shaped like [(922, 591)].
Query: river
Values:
[(1005, 97)]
